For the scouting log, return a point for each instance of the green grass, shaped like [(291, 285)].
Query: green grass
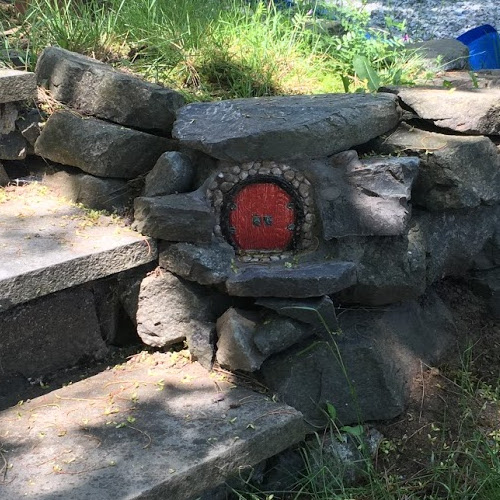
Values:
[(214, 49)]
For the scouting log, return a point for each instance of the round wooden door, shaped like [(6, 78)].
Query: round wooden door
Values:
[(262, 216)]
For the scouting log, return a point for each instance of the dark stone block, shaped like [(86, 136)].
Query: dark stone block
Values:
[(305, 280), (205, 264), (99, 193), (13, 146), (455, 171), (99, 148), (362, 197), (173, 173), (97, 89), (50, 333), (366, 370), (177, 217), (318, 312)]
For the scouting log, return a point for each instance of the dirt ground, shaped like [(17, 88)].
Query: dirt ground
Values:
[(435, 417)]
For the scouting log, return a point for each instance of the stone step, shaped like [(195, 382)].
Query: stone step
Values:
[(157, 426), (48, 244)]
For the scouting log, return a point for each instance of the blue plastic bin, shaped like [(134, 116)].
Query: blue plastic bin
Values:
[(484, 47)]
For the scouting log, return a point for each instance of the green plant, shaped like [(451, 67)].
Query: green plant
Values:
[(220, 48), (87, 27)]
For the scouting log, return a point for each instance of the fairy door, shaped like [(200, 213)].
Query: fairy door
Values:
[(262, 216)]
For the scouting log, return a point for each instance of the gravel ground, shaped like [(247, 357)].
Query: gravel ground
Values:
[(428, 19)]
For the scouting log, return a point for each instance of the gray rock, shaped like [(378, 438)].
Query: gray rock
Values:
[(305, 280), (423, 327), (311, 374), (276, 334), (117, 327), (487, 284), (389, 269), (4, 178), (16, 85), (443, 54), (201, 343), (318, 312), (368, 197), (473, 111), (98, 147), (128, 288), (93, 192), (235, 347), (380, 191), (172, 173), (455, 172), (365, 371), (489, 257), (29, 125), (50, 333), (13, 146), (169, 309), (245, 339), (103, 194), (205, 264), (437, 245), (453, 239), (177, 217), (8, 116), (343, 456), (284, 128), (94, 88)]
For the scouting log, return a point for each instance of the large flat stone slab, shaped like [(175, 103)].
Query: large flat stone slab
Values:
[(305, 280), (148, 429), (47, 245), (285, 128), (97, 89)]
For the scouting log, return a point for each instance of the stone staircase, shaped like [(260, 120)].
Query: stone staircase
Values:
[(157, 426)]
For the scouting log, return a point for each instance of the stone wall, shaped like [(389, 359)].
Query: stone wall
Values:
[(390, 193)]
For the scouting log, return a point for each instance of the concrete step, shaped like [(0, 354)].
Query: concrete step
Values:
[(48, 244), (156, 427)]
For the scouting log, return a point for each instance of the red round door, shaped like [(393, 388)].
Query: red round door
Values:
[(262, 216)]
